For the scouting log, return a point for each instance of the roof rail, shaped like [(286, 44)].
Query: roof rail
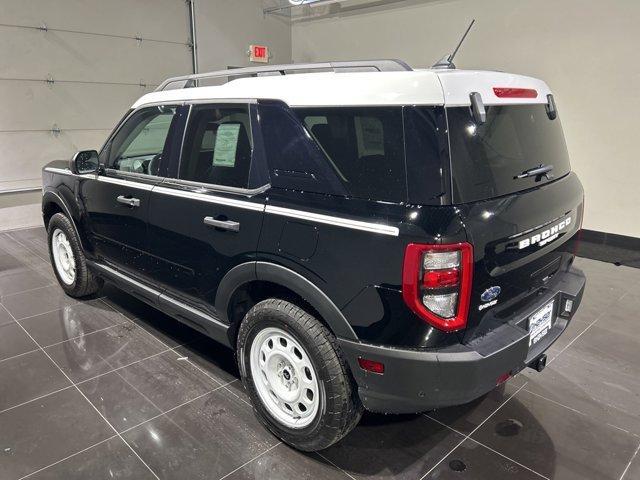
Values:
[(188, 81)]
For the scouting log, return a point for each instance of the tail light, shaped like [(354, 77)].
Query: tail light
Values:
[(436, 283)]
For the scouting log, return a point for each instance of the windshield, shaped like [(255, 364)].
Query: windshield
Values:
[(485, 159)]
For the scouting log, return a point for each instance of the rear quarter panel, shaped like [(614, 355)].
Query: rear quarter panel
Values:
[(360, 271)]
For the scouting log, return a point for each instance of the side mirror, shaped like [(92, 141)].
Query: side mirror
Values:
[(85, 161)]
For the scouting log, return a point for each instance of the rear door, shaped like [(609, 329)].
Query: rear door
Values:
[(117, 200), (518, 225), (205, 218)]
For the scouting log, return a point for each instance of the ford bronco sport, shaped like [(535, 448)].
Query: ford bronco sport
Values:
[(364, 235)]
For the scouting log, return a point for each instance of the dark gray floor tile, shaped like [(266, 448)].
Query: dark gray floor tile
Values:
[(46, 270), (555, 441), (214, 358), (392, 446), (35, 302), (166, 381), (34, 241), (236, 388), (118, 401), (592, 385), (617, 350), (285, 463), (26, 377), (26, 255), (21, 281), (606, 283), (38, 234), (5, 317), (590, 396), (109, 460), (100, 352), (574, 329), (472, 461), (633, 469), (465, 418), (623, 316), (165, 328), (71, 321), (588, 312), (14, 341), (10, 265), (39, 433), (207, 438)]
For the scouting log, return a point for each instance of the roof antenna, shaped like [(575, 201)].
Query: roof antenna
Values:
[(447, 60)]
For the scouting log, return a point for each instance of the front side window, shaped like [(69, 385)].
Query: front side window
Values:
[(365, 146), (218, 146), (141, 142)]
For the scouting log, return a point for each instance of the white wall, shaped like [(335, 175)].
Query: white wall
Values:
[(587, 51), (226, 28), (97, 65), (103, 67), (90, 51)]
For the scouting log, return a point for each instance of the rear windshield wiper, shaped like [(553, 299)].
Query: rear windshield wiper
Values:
[(539, 171)]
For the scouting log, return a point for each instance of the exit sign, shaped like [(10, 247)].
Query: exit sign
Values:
[(259, 53)]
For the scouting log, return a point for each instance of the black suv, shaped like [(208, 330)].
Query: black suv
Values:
[(397, 257)]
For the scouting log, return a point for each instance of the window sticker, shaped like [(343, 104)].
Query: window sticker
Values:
[(224, 153), (370, 136)]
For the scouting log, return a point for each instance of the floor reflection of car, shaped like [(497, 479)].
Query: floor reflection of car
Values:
[(85, 352)]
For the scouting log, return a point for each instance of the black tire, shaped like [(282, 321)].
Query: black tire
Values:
[(86, 282), (340, 408)]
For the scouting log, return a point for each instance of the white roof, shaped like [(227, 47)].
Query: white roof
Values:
[(417, 87)]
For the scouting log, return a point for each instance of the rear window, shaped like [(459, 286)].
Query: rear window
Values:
[(486, 158), (365, 147)]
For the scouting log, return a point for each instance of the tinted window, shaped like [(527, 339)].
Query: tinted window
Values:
[(140, 143), (365, 147), (486, 158), (295, 160), (218, 146), (426, 154)]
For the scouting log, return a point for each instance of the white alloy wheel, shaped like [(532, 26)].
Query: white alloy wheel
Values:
[(63, 258), (284, 377)]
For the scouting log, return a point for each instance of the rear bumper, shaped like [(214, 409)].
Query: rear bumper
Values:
[(418, 380)]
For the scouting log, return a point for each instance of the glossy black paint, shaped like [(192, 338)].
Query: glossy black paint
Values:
[(118, 231), (521, 274), (191, 258), (164, 242)]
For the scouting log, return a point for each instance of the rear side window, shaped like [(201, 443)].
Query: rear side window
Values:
[(218, 146), (295, 160), (364, 146), (427, 154), (485, 159)]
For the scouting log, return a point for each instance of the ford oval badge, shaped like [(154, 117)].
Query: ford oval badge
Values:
[(490, 293)]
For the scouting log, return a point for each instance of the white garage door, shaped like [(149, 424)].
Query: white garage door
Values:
[(69, 69)]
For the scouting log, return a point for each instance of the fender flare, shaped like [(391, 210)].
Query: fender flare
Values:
[(233, 279), (51, 196), (271, 272)]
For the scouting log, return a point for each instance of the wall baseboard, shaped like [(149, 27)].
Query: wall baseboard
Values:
[(609, 247)]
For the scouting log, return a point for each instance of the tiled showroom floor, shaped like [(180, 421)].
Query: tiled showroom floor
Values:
[(111, 388)]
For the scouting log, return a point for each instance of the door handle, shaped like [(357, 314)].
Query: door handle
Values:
[(132, 202), (224, 224)]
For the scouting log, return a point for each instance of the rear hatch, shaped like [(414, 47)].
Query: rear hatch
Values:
[(518, 227)]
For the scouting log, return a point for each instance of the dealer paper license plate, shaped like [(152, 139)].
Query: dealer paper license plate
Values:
[(540, 323)]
